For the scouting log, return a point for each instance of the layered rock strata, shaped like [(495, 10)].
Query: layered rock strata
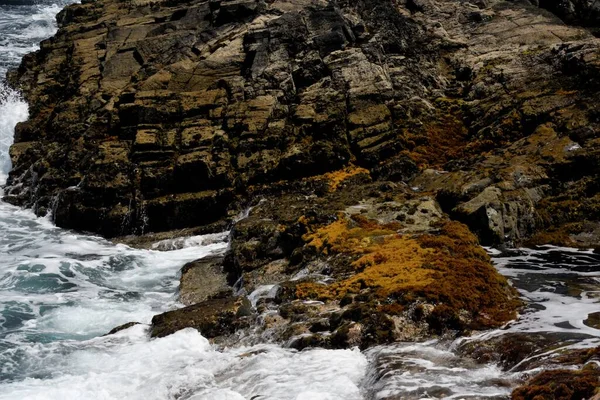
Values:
[(151, 116)]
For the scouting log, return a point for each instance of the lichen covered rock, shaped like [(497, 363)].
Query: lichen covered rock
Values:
[(363, 263)]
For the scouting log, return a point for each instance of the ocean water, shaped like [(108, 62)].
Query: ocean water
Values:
[(61, 291)]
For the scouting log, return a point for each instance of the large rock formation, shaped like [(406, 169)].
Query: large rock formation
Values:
[(150, 116), (360, 131), (341, 260)]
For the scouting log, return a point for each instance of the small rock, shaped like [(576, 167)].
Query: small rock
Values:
[(202, 279), (212, 318), (121, 328)]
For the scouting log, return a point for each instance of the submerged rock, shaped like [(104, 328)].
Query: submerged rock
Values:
[(121, 328), (565, 384), (519, 352)]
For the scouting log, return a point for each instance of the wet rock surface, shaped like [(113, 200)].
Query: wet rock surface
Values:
[(362, 263), (577, 376), (202, 279), (213, 318), (121, 328), (523, 352)]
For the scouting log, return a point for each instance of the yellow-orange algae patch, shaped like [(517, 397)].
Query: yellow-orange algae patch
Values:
[(465, 278), (343, 236), (385, 261), (448, 268), (335, 178)]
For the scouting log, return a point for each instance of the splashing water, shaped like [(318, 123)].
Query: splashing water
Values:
[(12, 110)]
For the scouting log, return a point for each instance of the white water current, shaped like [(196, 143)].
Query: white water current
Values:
[(60, 291)]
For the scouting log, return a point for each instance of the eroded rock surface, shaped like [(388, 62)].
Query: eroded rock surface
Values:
[(203, 279), (213, 318), (148, 117)]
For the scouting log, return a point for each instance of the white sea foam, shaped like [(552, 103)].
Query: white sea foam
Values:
[(88, 282), (189, 241), (430, 371), (561, 284), (184, 365), (12, 110)]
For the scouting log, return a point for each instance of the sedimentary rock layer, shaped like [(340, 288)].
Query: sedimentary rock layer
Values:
[(151, 116)]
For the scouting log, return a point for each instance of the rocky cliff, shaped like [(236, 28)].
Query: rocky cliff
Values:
[(375, 140), (152, 116)]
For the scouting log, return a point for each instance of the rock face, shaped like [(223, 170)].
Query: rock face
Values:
[(151, 116), (576, 12), (202, 279)]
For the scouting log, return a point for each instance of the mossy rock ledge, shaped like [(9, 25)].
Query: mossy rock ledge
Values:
[(360, 264)]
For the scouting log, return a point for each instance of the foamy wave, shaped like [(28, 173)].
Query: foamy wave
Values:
[(12, 110), (185, 366)]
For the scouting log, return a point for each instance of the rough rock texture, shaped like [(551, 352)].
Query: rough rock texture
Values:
[(567, 383), (355, 262), (374, 139), (202, 279), (151, 116), (213, 318), (574, 12)]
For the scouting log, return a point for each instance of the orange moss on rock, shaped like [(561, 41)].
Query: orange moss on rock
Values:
[(335, 178), (445, 136), (439, 142), (556, 237), (385, 265), (465, 279), (343, 236), (449, 269)]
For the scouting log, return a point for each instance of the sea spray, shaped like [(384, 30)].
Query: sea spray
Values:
[(12, 110)]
